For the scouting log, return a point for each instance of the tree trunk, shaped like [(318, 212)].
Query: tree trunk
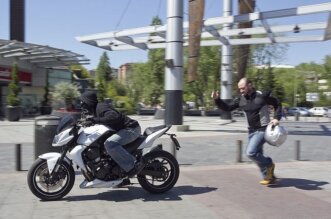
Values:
[(196, 11), (245, 7)]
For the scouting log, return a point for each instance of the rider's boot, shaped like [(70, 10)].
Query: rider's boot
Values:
[(137, 168)]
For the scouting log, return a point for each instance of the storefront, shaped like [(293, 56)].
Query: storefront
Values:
[(38, 67), (28, 101)]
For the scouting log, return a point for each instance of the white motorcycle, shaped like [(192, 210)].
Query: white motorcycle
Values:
[(52, 175)]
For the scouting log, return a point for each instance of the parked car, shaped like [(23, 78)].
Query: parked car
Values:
[(328, 114), (292, 111), (319, 111)]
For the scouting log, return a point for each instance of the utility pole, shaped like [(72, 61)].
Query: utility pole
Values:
[(17, 20), (226, 66), (174, 64)]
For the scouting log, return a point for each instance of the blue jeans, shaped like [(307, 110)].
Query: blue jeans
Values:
[(254, 151), (121, 156)]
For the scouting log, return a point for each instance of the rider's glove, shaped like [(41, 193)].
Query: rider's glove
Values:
[(89, 121)]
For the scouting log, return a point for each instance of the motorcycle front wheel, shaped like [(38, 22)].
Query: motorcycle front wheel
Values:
[(166, 165), (50, 188)]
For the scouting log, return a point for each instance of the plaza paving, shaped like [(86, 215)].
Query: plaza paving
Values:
[(211, 184)]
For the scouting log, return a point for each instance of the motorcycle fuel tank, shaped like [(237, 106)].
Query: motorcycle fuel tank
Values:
[(91, 134)]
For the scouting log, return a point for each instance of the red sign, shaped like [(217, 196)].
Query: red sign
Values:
[(24, 77)]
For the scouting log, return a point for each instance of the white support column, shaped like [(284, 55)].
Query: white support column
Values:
[(226, 64), (174, 64)]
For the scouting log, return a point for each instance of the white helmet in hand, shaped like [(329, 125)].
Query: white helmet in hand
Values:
[(275, 135)]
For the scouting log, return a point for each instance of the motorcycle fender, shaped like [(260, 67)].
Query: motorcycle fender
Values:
[(154, 148), (52, 158)]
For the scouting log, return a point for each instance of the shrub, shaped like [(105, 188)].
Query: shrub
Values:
[(13, 87), (65, 93)]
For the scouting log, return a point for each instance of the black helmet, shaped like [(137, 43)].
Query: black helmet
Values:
[(89, 98)]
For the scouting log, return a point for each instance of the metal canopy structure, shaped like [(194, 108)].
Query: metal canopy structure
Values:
[(38, 55), (213, 35)]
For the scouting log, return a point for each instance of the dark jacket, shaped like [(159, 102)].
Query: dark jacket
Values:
[(107, 115), (255, 107)]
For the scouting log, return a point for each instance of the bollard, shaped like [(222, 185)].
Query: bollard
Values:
[(239, 151), (18, 156), (297, 150)]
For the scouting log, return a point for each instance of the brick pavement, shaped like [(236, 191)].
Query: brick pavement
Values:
[(206, 188), (219, 191)]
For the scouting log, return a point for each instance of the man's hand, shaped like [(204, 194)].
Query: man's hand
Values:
[(274, 122), (215, 95), (89, 121)]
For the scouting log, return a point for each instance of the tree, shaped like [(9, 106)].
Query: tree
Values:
[(146, 82), (137, 85), (243, 51), (155, 76), (65, 93), (13, 87), (207, 78), (312, 74), (263, 76), (84, 73), (327, 67), (103, 76)]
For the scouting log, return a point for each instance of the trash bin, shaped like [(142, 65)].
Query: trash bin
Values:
[(45, 129)]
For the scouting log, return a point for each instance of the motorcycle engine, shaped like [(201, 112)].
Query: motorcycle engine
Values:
[(99, 164)]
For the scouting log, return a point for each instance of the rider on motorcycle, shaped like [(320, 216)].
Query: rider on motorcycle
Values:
[(127, 130)]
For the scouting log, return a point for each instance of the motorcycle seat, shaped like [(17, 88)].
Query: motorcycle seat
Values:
[(131, 147), (151, 130)]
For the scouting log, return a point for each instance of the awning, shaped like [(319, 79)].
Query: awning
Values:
[(153, 37), (38, 55)]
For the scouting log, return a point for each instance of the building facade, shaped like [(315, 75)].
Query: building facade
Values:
[(33, 81)]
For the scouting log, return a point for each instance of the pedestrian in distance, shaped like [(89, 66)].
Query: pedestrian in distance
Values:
[(255, 104), (285, 113), (127, 130)]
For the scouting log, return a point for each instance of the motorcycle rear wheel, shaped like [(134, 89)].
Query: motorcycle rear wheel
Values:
[(50, 188), (165, 163)]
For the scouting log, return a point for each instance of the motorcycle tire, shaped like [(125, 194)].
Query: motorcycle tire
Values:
[(165, 163), (47, 188)]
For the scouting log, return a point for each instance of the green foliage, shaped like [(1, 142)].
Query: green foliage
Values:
[(327, 66), (45, 101), (291, 85), (155, 76), (13, 87), (103, 76), (84, 72), (125, 105), (136, 87), (104, 70), (146, 82), (65, 93), (118, 94), (101, 87), (207, 78)]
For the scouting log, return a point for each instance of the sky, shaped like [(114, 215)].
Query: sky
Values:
[(57, 23)]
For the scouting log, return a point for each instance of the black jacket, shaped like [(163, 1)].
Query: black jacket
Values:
[(255, 107), (107, 115)]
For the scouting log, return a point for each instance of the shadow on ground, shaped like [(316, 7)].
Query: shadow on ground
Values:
[(303, 184), (132, 193)]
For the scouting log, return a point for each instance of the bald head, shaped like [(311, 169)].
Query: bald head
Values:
[(245, 86)]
